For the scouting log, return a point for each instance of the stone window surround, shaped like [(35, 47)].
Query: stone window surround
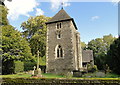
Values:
[(56, 57), (59, 35), (58, 25)]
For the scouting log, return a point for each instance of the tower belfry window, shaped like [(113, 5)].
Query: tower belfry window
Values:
[(59, 25)]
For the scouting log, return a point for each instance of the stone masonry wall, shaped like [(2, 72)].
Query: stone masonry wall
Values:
[(64, 64)]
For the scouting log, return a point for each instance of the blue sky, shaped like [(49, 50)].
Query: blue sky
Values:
[(93, 19)]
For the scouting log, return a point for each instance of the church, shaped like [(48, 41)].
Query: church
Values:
[(63, 48)]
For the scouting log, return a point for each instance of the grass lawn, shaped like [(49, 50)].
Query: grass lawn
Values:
[(100, 75), (95, 75), (16, 76), (23, 75)]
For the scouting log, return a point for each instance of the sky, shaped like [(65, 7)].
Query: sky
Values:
[(93, 19)]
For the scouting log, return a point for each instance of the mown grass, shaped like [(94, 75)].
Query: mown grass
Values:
[(23, 75), (93, 76), (16, 76), (100, 75), (48, 75)]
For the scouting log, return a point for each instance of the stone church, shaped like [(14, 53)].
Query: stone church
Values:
[(63, 48)]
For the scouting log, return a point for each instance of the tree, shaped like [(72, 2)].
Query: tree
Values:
[(113, 56), (33, 25), (100, 46), (83, 45), (3, 15), (35, 31), (14, 47)]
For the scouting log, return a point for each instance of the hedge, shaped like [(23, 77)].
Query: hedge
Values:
[(47, 81), (19, 66)]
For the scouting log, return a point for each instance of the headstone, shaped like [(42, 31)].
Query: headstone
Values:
[(77, 73), (34, 68), (37, 73)]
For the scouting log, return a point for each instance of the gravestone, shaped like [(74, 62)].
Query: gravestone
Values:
[(37, 72)]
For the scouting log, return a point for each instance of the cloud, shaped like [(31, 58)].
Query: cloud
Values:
[(39, 12), (115, 2), (55, 4), (20, 7), (116, 36), (94, 18)]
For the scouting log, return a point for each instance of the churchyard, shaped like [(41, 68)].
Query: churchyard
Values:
[(49, 51)]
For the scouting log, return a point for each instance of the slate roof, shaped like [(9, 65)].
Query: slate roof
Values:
[(61, 16), (87, 55)]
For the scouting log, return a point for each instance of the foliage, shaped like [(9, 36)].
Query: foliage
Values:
[(43, 61), (86, 81), (3, 14), (100, 74), (29, 65), (100, 46), (14, 47), (113, 56), (8, 67), (92, 68), (33, 25), (83, 45), (18, 66), (35, 31)]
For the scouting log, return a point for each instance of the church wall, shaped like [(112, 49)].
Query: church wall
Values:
[(64, 64), (77, 59), (74, 46)]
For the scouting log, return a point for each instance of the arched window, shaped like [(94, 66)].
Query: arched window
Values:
[(59, 52), (58, 35)]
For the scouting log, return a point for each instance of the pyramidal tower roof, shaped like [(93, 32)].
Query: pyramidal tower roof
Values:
[(61, 16)]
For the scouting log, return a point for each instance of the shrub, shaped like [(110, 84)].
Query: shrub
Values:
[(18, 66), (7, 67), (29, 65), (92, 68)]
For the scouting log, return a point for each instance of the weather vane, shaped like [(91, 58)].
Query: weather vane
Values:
[(62, 4)]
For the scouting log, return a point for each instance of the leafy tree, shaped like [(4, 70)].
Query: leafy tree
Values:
[(14, 47), (83, 45), (35, 31), (113, 56), (3, 15), (100, 46), (33, 25)]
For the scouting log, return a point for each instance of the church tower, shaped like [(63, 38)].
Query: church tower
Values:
[(63, 49)]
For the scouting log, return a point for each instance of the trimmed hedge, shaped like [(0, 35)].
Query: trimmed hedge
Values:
[(39, 81), (19, 66)]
